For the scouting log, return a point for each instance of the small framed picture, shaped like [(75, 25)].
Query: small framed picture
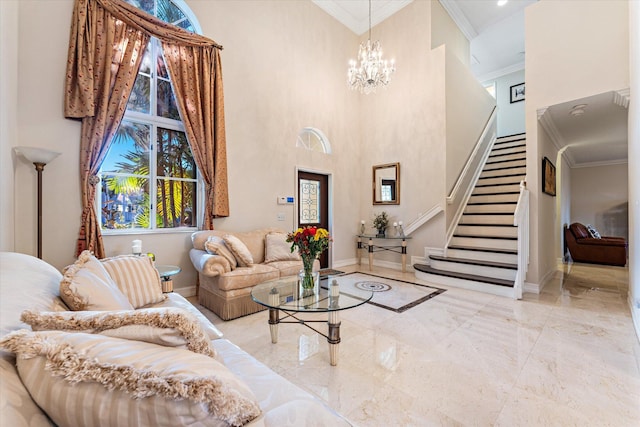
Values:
[(548, 177), (517, 93)]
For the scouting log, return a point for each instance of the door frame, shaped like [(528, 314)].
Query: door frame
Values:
[(296, 214)]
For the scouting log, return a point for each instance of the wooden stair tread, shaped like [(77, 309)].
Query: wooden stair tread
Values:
[(478, 224), (480, 249), (477, 262), (474, 236), (464, 276)]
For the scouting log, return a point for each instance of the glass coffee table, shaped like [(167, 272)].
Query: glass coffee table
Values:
[(285, 295)]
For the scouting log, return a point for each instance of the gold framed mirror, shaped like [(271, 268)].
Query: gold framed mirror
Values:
[(386, 184)]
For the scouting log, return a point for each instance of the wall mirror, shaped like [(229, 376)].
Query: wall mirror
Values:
[(386, 184)]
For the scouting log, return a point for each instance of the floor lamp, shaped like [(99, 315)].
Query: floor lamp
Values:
[(39, 157)]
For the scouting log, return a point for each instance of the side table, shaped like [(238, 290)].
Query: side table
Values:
[(166, 273), (370, 247)]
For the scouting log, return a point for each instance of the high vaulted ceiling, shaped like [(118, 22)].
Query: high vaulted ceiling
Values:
[(497, 47)]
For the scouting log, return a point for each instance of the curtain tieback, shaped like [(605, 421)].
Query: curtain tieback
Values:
[(94, 180)]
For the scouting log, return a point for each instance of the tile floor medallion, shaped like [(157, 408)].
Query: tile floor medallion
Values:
[(568, 356), (390, 294)]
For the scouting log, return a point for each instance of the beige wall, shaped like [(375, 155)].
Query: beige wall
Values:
[(445, 31), (8, 119), (634, 159), (284, 68), (599, 196), (469, 107), (571, 61)]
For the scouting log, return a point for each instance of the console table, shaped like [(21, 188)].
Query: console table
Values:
[(389, 244)]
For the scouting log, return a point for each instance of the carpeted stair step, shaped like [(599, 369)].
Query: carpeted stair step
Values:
[(504, 164), (502, 156), (503, 172), (504, 148), (462, 276), (490, 208), (496, 270), (511, 197), (497, 189), (511, 138), (483, 254), (485, 230), (490, 242), (502, 180)]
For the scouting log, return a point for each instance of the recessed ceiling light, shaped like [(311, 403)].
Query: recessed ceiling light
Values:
[(502, 2)]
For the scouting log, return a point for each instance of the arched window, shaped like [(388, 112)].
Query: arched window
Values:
[(313, 139), (149, 179)]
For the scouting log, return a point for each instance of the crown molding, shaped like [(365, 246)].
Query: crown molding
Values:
[(622, 97), (600, 163), (501, 72), (460, 19), (550, 127)]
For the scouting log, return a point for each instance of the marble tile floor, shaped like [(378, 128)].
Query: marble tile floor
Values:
[(566, 357)]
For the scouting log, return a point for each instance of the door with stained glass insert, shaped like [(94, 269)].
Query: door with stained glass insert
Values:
[(313, 204)]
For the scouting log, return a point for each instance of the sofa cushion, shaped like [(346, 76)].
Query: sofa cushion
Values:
[(170, 327), (239, 250), (215, 245), (86, 285), (137, 278), (278, 249), (94, 380), (243, 277), (579, 230)]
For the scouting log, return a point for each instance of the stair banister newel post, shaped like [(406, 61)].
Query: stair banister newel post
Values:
[(521, 220)]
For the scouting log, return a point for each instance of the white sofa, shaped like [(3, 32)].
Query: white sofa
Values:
[(27, 283)]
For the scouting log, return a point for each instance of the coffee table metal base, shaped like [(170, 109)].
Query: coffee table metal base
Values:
[(333, 335)]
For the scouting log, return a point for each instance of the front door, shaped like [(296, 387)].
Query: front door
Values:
[(313, 204)]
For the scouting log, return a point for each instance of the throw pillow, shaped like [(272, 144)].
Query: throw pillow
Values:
[(137, 278), (278, 249), (86, 285), (94, 380), (170, 327), (215, 245), (239, 250), (593, 232)]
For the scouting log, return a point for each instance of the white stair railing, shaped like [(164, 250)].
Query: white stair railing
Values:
[(521, 220)]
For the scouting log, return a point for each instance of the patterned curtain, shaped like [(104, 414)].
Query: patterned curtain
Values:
[(106, 45)]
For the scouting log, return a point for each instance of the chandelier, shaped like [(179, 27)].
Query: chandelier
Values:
[(370, 71)]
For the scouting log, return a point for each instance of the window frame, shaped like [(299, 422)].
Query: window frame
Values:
[(154, 122)]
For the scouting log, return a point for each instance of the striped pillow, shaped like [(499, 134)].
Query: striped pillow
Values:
[(90, 380), (137, 278), (86, 285)]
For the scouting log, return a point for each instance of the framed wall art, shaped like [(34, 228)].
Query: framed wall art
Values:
[(517, 93), (548, 177)]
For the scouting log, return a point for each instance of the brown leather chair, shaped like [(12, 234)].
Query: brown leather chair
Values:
[(584, 248)]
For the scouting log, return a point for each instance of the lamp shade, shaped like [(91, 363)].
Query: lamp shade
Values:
[(36, 154)]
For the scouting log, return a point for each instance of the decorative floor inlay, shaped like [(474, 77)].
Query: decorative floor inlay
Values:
[(390, 294), (373, 286)]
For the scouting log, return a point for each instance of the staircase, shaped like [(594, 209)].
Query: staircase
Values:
[(483, 252)]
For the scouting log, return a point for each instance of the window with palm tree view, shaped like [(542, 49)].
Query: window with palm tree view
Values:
[(149, 178)]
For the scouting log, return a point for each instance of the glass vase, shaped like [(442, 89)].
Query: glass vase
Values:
[(309, 280)]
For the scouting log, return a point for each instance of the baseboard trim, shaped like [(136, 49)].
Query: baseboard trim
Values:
[(189, 291), (346, 262), (531, 288)]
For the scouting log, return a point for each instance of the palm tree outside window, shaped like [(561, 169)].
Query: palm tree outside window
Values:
[(149, 179)]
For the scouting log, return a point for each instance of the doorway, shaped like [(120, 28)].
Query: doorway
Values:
[(313, 204)]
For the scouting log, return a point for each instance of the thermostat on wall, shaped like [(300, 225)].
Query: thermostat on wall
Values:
[(285, 200)]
